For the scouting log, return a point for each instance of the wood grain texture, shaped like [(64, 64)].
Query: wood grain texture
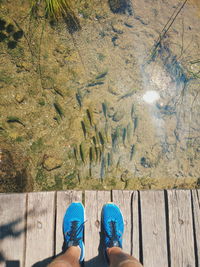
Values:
[(196, 214), (41, 224), (12, 228), (154, 237), (94, 201), (123, 199), (135, 225), (63, 200), (45, 210), (181, 228)]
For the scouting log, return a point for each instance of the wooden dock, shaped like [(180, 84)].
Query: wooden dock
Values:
[(162, 228)]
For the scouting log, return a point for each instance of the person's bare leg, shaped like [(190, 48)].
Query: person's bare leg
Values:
[(68, 259), (118, 258)]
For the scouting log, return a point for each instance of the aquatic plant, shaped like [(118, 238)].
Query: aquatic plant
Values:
[(54, 9)]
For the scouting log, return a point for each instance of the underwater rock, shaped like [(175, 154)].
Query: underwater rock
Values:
[(118, 116), (113, 90), (51, 163), (24, 66), (72, 22), (121, 6), (145, 162), (118, 28), (19, 98), (114, 40)]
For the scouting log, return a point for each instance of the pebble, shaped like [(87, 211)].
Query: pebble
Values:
[(145, 162), (50, 163), (118, 116), (19, 98), (118, 28)]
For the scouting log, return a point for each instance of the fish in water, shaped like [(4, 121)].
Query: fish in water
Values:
[(94, 140), (95, 84), (106, 128), (114, 140), (79, 99), (129, 131), (135, 123), (124, 136), (82, 153), (119, 162), (95, 147), (132, 152), (132, 111), (101, 139), (100, 153), (104, 108), (126, 95), (59, 110), (109, 159), (101, 75), (96, 153), (90, 154), (91, 159), (78, 177), (75, 153), (57, 91), (11, 119), (84, 129), (102, 171), (89, 116), (128, 25)]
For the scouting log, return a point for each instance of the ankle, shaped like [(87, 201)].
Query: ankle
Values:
[(113, 250), (75, 251)]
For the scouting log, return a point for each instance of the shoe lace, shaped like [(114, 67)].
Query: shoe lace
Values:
[(74, 232), (113, 236)]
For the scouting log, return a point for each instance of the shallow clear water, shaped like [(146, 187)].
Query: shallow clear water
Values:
[(120, 96)]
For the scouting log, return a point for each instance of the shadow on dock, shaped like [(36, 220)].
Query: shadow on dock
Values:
[(97, 261), (9, 231)]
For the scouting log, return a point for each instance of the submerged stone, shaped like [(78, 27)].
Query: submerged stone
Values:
[(118, 116), (121, 6), (50, 163)]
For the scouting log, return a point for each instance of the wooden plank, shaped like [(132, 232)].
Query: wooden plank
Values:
[(94, 201), (64, 199), (154, 235), (135, 226), (124, 200), (181, 228), (12, 228), (196, 214), (40, 223)]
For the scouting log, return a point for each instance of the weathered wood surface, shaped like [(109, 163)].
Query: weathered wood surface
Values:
[(162, 228), (196, 213), (123, 200), (94, 201), (181, 232), (40, 224), (12, 228), (153, 223)]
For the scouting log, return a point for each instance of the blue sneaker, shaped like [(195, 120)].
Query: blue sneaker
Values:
[(112, 225), (73, 226)]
